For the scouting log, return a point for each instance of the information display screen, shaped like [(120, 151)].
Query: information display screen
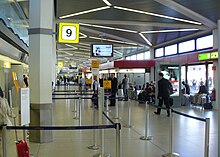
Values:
[(102, 50)]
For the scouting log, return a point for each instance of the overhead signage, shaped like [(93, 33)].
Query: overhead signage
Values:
[(68, 33), (214, 55), (95, 64), (207, 56), (107, 84), (60, 64)]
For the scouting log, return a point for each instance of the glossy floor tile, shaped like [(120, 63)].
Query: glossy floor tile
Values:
[(188, 134)]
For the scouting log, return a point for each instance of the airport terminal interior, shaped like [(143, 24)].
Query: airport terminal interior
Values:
[(82, 78)]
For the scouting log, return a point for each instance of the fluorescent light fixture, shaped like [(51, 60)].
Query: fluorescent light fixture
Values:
[(145, 39), (106, 27), (83, 35), (84, 44), (84, 49), (158, 15), (118, 52), (85, 12), (107, 2), (171, 30), (68, 53), (111, 40), (73, 47)]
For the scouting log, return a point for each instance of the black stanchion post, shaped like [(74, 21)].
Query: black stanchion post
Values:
[(4, 141), (207, 129), (129, 116), (171, 154), (146, 137), (117, 111), (118, 139), (106, 104), (95, 145), (75, 117)]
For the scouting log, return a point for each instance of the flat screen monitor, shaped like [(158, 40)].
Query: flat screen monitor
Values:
[(102, 50)]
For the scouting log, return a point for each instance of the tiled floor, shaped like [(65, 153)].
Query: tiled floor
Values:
[(188, 133)]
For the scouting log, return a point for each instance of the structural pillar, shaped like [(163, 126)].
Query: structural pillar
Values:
[(218, 93), (152, 69), (40, 60)]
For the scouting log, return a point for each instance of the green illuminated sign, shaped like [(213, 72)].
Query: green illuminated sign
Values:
[(207, 56), (214, 55), (204, 56)]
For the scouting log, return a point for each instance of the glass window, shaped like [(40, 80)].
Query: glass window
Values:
[(128, 58), (140, 56), (187, 46), (195, 75), (159, 52), (204, 42), (134, 57), (147, 55), (210, 78), (170, 50)]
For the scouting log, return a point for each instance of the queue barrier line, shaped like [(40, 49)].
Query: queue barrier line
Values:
[(84, 98), (60, 127), (171, 154), (72, 91), (207, 129), (108, 118), (4, 129), (189, 116), (72, 94)]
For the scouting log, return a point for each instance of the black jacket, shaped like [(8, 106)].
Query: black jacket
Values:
[(164, 88), (114, 85)]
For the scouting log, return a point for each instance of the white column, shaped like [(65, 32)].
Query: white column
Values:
[(218, 94), (41, 59), (215, 72), (152, 68)]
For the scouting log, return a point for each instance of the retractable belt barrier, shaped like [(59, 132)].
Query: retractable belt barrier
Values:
[(116, 126), (72, 94), (171, 154), (72, 91)]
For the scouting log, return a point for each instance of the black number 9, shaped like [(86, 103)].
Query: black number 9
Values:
[(68, 32)]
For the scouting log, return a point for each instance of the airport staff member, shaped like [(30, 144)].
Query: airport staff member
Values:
[(164, 87), (114, 88)]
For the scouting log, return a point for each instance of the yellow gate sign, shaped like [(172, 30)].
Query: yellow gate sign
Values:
[(95, 64), (107, 84), (68, 33)]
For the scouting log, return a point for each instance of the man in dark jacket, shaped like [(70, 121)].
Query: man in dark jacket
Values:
[(114, 88), (1, 93), (164, 87)]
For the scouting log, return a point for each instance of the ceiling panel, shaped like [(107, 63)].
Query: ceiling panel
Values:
[(204, 11)]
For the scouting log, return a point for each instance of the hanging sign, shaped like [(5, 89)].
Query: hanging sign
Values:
[(68, 33)]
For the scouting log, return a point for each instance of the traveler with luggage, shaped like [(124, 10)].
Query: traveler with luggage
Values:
[(164, 87)]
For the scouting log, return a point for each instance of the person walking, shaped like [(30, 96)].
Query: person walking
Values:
[(25, 79), (164, 87), (125, 87), (114, 88)]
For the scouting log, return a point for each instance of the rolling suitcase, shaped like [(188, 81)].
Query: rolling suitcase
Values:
[(22, 147)]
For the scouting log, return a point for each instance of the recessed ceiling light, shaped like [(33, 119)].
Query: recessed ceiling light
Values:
[(106, 27), (145, 39), (170, 30), (158, 15), (85, 12), (107, 2)]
